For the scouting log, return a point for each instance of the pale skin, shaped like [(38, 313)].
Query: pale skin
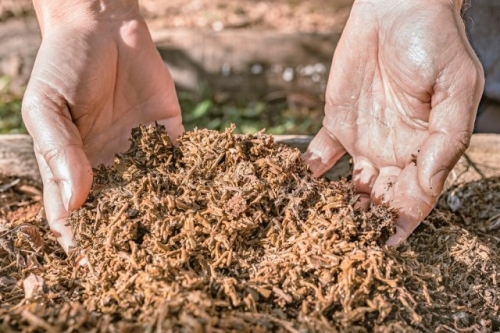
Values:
[(97, 75), (401, 99), (404, 81)]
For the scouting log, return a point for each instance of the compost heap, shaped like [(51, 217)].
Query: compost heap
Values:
[(232, 233)]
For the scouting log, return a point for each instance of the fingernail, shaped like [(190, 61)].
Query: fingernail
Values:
[(66, 194), (396, 239), (437, 181), (66, 241)]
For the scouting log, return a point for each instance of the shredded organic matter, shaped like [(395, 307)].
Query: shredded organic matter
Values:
[(232, 233)]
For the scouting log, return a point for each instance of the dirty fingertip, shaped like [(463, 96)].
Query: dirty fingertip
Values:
[(363, 202), (398, 238), (315, 163), (63, 234), (323, 152), (66, 242)]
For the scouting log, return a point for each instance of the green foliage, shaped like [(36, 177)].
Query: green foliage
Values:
[(200, 109), (203, 111), (10, 109)]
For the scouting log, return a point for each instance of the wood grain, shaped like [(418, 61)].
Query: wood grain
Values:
[(482, 158)]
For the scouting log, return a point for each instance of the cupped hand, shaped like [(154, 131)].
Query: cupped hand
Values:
[(94, 79), (401, 99)]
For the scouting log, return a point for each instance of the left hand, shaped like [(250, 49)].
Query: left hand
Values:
[(97, 75)]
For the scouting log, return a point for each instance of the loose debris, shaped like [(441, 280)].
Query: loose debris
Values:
[(232, 233)]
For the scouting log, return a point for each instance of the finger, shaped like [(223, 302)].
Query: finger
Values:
[(58, 143), (65, 169), (364, 176), (56, 213), (411, 201), (173, 126), (323, 152), (437, 157), (454, 106)]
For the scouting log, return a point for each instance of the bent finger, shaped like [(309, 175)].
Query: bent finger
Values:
[(58, 144), (364, 176), (412, 202), (323, 152), (55, 211), (173, 127), (454, 106)]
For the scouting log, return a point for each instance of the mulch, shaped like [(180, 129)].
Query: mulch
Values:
[(230, 232)]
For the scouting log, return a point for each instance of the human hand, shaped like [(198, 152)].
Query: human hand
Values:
[(97, 75), (401, 99)]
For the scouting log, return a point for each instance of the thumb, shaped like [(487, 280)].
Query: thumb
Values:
[(456, 96), (323, 152), (450, 127), (437, 157), (64, 167)]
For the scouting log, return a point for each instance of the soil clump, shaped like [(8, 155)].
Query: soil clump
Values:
[(232, 233)]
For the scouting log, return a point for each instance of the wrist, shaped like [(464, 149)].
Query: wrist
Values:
[(84, 13)]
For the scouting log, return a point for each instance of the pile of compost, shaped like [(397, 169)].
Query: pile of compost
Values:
[(232, 233)]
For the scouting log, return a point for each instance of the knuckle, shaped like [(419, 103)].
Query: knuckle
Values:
[(461, 141), (51, 154), (29, 104), (41, 96), (415, 207), (474, 73)]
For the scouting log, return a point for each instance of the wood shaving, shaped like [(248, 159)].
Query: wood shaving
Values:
[(232, 233)]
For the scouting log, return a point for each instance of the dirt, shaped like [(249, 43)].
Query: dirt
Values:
[(203, 41), (280, 15), (20, 197), (232, 233)]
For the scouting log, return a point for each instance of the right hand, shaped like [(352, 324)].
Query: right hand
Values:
[(96, 76), (401, 100)]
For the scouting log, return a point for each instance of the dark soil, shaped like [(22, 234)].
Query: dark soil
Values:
[(232, 233)]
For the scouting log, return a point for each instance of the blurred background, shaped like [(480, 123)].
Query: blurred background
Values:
[(258, 64)]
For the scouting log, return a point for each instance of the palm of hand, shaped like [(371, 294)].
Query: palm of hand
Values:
[(120, 83), (404, 109), (82, 102)]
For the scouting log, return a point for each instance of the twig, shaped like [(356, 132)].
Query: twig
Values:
[(474, 165), (39, 322)]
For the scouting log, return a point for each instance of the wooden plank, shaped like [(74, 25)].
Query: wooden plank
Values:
[(17, 157), (247, 62), (481, 159), (340, 170)]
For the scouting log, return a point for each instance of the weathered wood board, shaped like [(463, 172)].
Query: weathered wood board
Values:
[(482, 159), (17, 157), (244, 61)]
